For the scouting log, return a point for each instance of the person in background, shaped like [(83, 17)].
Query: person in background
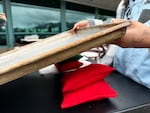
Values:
[(2, 19), (131, 56)]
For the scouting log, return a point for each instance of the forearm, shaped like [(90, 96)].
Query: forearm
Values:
[(94, 22), (86, 23), (137, 35), (139, 39)]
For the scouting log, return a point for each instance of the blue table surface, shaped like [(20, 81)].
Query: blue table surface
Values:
[(36, 94)]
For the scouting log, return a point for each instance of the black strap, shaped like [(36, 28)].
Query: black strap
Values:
[(145, 16)]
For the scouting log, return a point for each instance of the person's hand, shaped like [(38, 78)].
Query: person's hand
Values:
[(137, 35), (81, 24)]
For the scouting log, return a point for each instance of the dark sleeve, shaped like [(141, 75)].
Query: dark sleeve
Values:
[(2, 22)]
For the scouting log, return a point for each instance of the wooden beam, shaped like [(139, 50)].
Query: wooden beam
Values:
[(30, 58)]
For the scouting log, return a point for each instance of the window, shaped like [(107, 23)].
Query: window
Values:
[(34, 20), (76, 12), (74, 16)]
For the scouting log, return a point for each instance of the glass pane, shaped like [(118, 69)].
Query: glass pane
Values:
[(31, 20), (74, 16), (105, 18)]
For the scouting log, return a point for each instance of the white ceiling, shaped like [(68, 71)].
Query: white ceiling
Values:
[(104, 4)]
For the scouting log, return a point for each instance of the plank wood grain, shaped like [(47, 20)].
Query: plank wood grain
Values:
[(29, 58)]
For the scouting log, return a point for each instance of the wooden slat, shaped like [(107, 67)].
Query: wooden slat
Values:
[(26, 59)]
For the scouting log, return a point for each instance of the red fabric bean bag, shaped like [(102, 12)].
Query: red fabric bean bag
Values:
[(94, 92), (82, 77)]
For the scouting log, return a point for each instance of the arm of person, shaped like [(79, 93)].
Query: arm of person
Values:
[(86, 23), (137, 34)]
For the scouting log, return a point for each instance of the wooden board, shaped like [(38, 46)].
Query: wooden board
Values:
[(26, 59)]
